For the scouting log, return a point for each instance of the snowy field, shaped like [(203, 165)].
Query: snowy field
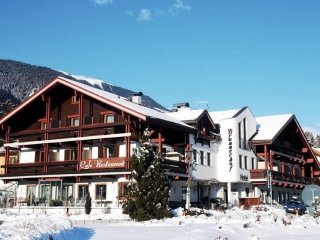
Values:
[(262, 223)]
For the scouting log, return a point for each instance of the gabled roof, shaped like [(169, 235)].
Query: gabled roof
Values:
[(269, 127), (116, 101), (188, 115), (228, 114)]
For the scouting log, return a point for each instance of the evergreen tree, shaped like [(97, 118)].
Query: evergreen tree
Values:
[(148, 191), (310, 138), (87, 204), (317, 145), (5, 107)]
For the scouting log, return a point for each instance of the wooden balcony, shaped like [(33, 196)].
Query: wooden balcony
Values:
[(173, 166), (260, 176)]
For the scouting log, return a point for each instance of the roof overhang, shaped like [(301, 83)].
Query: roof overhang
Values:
[(68, 83)]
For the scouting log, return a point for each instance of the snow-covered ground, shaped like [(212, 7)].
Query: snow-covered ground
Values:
[(257, 223)]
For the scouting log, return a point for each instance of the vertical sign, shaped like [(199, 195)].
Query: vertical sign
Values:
[(230, 148)]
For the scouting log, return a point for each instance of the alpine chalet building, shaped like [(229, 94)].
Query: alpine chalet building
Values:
[(68, 140)]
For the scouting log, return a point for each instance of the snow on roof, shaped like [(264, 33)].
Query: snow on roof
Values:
[(93, 81), (186, 114), (222, 115), (269, 126), (122, 102)]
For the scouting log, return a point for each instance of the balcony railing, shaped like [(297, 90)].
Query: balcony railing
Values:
[(175, 166), (260, 174)]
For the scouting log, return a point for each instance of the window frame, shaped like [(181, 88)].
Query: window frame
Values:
[(104, 192)]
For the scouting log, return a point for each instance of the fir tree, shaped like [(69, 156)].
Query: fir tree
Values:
[(317, 145), (310, 138), (148, 191), (5, 107), (87, 205)]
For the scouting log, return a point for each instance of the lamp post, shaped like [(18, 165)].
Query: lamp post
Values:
[(190, 166)]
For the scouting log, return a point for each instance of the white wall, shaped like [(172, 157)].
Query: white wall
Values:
[(223, 172), (201, 171), (27, 156)]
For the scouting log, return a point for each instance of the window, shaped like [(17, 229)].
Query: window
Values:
[(106, 151), (239, 134), (201, 158), (208, 159), (245, 162), (108, 118), (194, 154), (74, 121), (252, 163), (83, 191), (74, 99), (43, 125), (70, 154), (240, 161), (86, 153), (247, 192), (54, 155), (39, 156), (244, 133), (101, 192), (123, 190), (31, 194)]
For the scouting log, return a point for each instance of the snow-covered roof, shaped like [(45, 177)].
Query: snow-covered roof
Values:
[(186, 114), (93, 81), (116, 101), (270, 126), (222, 115)]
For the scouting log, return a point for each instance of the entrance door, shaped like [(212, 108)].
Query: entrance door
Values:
[(225, 193), (50, 193)]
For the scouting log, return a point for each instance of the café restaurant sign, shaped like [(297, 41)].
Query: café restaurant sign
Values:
[(104, 163)]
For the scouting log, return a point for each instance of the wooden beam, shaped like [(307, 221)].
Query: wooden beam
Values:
[(304, 150)]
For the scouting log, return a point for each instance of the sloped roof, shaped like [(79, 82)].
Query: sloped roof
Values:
[(116, 101), (270, 126), (186, 114), (222, 115)]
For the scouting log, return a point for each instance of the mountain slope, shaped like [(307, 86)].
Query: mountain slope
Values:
[(18, 80)]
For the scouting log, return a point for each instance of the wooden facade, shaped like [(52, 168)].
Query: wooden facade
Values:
[(70, 133), (289, 159)]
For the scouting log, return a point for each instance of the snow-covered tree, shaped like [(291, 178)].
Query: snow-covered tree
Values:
[(148, 191), (317, 144), (310, 138)]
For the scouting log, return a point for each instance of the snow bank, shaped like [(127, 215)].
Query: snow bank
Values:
[(21, 226)]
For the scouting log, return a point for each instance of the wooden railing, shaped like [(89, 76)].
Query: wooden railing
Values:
[(175, 166), (258, 174)]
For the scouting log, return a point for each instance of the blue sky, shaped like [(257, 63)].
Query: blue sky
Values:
[(224, 54)]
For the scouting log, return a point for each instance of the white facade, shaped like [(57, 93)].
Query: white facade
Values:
[(234, 155)]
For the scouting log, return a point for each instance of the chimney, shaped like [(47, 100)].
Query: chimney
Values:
[(137, 98)]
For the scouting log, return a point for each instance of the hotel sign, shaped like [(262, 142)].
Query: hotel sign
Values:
[(230, 148), (103, 163)]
